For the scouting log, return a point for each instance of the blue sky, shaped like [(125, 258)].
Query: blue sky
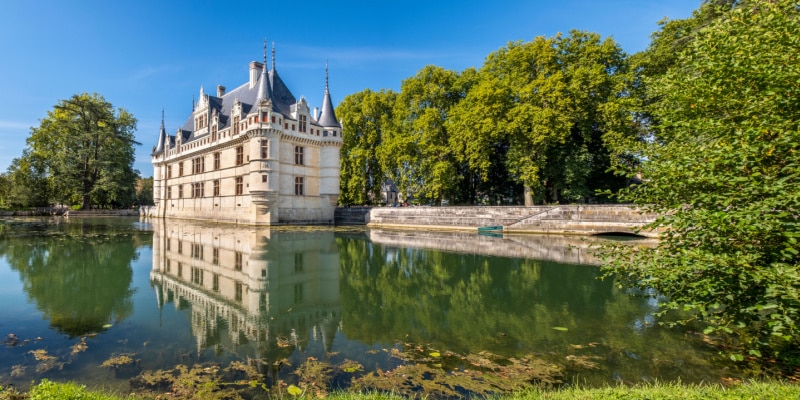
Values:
[(146, 55)]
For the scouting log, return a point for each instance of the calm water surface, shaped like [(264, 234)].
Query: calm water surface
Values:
[(78, 292)]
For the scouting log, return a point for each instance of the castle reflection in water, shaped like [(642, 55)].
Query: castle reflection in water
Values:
[(261, 292), (248, 291)]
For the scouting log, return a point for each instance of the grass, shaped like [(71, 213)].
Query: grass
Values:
[(47, 390)]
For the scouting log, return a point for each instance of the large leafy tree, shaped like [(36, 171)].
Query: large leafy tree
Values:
[(27, 182), (416, 153), (86, 148), (366, 116), (544, 105), (724, 174)]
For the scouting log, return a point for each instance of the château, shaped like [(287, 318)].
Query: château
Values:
[(254, 155)]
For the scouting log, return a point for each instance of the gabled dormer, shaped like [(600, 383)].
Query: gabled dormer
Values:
[(236, 116), (214, 125), (301, 113), (201, 114)]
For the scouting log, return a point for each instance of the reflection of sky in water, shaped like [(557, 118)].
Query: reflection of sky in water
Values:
[(323, 308)]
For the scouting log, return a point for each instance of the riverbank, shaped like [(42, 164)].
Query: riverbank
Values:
[(589, 219), (47, 212), (751, 390)]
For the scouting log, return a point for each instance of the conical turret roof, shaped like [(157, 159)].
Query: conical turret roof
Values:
[(327, 116)]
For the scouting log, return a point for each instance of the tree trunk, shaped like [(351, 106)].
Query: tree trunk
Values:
[(528, 196)]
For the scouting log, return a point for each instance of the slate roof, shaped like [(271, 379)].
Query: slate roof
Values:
[(283, 101)]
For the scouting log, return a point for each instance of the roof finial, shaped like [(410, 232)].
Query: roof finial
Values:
[(273, 55), (192, 103), (162, 117), (326, 74), (265, 52)]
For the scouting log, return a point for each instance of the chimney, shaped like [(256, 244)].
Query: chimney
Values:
[(255, 72), (316, 112), (220, 90)]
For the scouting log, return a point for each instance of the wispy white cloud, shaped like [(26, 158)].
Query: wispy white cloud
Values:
[(149, 71), (363, 55), (15, 125)]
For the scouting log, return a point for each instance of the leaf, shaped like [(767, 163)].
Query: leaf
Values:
[(560, 328), (435, 354), (294, 390)]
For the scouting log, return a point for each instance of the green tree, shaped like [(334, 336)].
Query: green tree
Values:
[(28, 184), (365, 118), (86, 146), (416, 153), (723, 174), (144, 191), (545, 105)]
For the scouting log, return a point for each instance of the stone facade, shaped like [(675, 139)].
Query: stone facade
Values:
[(254, 155)]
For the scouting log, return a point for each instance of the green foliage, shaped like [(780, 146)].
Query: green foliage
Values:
[(540, 114), (416, 153), (144, 191), (545, 101), (84, 150), (366, 116), (48, 390), (28, 184), (723, 171)]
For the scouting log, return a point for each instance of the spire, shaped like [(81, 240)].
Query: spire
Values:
[(162, 136), (264, 87), (273, 55), (327, 117)]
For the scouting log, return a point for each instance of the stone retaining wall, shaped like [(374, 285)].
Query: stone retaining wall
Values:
[(568, 219)]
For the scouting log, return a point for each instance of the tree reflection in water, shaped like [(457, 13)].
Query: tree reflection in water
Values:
[(77, 273)]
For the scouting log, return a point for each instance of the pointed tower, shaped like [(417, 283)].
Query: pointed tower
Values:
[(282, 96), (264, 87), (327, 117), (162, 136)]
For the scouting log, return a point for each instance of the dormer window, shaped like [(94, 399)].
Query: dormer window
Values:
[(302, 122)]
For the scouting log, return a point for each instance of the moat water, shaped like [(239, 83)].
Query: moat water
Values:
[(107, 301)]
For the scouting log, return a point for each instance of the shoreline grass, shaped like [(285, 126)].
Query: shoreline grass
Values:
[(46, 390)]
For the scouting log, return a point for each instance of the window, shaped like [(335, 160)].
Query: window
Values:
[(197, 276), (214, 132), (298, 155), (238, 291), (180, 168), (216, 161), (216, 187), (235, 125), (264, 179), (180, 247), (237, 262), (169, 192), (169, 171), (180, 191), (239, 155), (215, 283), (298, 293), (285, 125), (198, 190), (298, 262), (197, 251), (265, 149), (302, 122), (215, 256), (298, 186), (198, 165), (239, 185)]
